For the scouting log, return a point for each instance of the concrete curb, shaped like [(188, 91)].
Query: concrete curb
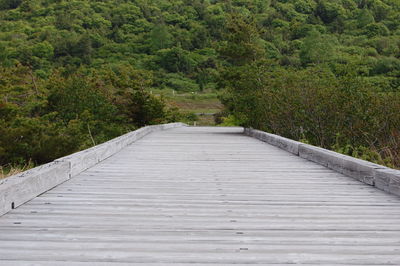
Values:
[(381, 177), (18, 189)]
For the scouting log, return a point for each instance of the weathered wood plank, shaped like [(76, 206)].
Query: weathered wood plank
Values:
[(204, 196)]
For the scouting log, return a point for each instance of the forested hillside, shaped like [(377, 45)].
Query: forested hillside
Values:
[(79, 72)]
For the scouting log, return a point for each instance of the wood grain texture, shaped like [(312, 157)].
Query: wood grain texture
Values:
[(204, 196)]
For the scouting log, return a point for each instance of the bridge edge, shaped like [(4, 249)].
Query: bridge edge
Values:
[(381, 177), (19, 189)]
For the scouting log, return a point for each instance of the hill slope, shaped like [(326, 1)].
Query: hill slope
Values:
[(79, 72)]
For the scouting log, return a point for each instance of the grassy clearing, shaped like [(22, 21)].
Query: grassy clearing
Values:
[(203, 104)]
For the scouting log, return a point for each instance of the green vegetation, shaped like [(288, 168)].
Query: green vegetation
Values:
[(199, 107), (336, 89), (43, 119), (9, 170), (79, 72)]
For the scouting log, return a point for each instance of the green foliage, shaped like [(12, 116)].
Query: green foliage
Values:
[(317, 106), (229, 121), (176, 60), (44, 119), (166, 35), (73, 67), (376, 29), (364, 18), (180, 83), (63, 95), (345, 93), (243, 43), (145, 109), (317, 48), (9, 4), (160, 37)]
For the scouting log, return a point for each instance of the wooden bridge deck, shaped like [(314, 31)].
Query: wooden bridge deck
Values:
[(204, 196)]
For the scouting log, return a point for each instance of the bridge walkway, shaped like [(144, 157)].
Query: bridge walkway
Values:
[(204, 196)]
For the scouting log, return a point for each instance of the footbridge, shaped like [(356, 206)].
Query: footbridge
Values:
[(178, 195)]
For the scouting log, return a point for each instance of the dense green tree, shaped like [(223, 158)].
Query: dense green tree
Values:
[(243, 43), (364, 18), (176, 59), (160, 37), (9, 4), (317, 48)]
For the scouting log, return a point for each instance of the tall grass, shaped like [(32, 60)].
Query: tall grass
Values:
[(9, 169)]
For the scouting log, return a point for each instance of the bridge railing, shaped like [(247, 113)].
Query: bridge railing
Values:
[(384, 178), (18, 189)]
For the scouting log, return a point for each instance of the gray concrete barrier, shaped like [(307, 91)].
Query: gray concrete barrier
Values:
[(20, 188), (381, 177)]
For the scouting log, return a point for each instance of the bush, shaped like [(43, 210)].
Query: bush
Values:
[(180, 83), (48, 119), (317, 106)]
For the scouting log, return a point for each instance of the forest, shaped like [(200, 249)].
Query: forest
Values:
[(76, 73)]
